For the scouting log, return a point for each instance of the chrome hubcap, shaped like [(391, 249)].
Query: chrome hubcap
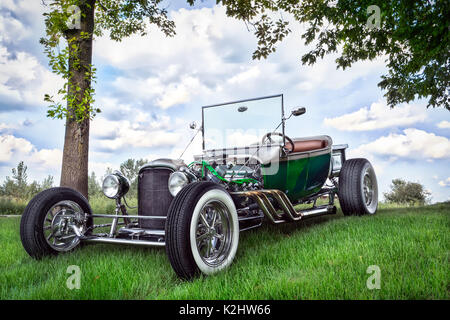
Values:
[(368, 189), (59, 225), (214, 233)]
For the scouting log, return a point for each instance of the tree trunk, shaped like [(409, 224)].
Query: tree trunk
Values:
[(74, 172)]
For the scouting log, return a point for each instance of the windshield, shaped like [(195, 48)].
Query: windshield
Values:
[(241, 123)]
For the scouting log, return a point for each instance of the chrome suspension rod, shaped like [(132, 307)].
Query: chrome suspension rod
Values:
[(113, 216), (126, 241)]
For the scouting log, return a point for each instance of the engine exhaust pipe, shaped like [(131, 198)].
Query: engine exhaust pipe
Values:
[(320, 211), (288, 212)]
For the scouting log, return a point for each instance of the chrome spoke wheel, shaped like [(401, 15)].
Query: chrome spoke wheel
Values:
[(368, 189), (214, 233), (60, 223)]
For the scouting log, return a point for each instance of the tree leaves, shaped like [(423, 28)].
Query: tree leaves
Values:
[(414, 35), (65, 47), (124, 18)]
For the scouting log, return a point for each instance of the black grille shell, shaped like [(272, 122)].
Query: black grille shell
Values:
[(154, 197)]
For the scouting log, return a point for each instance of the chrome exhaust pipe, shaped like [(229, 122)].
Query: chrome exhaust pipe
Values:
[(288, 211), (320, 211)]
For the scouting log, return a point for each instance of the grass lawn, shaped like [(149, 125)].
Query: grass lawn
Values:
[(323, 258)]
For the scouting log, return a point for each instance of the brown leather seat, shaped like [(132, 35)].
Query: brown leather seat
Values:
[(306, 145)]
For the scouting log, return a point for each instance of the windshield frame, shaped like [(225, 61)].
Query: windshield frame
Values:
[(240, 101)]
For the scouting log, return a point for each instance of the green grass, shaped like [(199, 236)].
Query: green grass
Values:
[(323, 258)]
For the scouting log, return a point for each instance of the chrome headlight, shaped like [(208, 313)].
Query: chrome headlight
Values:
[(177, 181), (115, 185)]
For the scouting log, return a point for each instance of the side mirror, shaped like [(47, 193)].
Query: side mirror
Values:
[(299, 111), (193, 125)]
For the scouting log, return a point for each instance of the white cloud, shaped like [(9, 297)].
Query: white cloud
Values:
[(13, 150), (11, 29), (444, 124), (412, 144), (194, 149), (12, 147), (210, 51), (325, 75), (18, 20), (378, 116), (23, 80), (48, 158), (198, 34), (445, 183), (210, 58), (249, 74), (113, 135), (178, 93), (99, 168), (158, 93), (5, 127)]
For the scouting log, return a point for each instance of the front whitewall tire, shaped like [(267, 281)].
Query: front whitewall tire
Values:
[(202, 230), (222, 196)]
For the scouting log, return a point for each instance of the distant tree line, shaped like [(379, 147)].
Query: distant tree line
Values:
[(129, 168), (18, 186)]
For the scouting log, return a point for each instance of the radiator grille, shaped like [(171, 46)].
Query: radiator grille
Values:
[(154, 197)]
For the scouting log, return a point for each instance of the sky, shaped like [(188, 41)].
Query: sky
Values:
[(150, 88)]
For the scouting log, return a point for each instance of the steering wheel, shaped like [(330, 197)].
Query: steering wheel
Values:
[(268, 135)]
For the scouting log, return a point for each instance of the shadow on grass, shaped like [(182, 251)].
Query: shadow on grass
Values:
[(108, 248), (269, 233)]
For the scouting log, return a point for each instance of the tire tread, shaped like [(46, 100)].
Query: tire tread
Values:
[(177, 228), (30, 229), (350, 196)]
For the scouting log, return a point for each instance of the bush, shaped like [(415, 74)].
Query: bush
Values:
[(102, 205), (9, 206), (406, 192)]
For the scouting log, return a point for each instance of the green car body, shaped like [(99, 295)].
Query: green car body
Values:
[(301, 177)]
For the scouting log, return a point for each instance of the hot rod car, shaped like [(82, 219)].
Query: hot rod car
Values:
[(249, 172)]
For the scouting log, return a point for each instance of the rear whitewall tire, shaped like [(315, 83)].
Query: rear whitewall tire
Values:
[(369, 190)]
